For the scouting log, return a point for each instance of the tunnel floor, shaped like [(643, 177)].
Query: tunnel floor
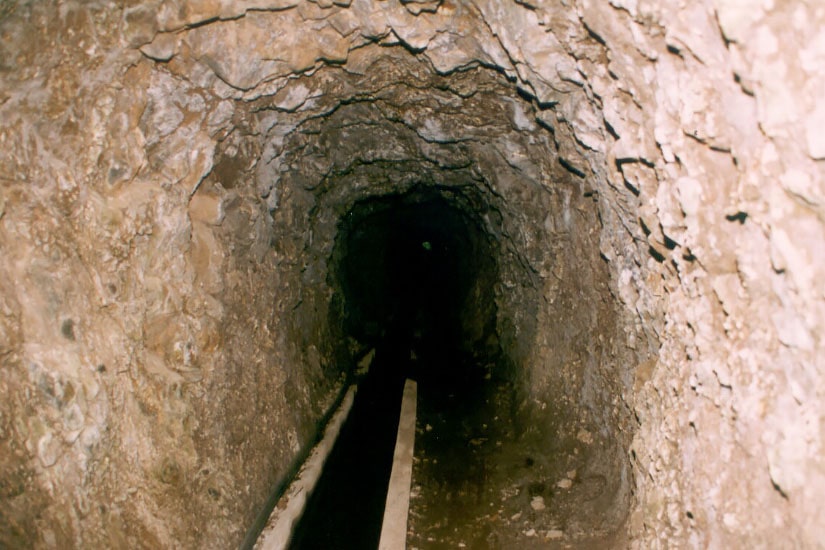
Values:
[(482, 476)]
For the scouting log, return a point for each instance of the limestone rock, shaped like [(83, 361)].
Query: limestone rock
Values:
[(174, 176)]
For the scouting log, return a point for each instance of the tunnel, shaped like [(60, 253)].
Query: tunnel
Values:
[(416, 274), (442, 222), (590, 232)]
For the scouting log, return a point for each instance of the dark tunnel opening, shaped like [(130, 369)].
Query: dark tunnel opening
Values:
[(417, 274)]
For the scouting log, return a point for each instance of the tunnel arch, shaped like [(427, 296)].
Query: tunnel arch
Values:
[(290, 155), (473, 137)]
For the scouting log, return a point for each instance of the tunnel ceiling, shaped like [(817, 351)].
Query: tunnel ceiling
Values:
[(176, 175)]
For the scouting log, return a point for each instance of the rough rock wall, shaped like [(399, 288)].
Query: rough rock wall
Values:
[(727, 166), (158, 294)]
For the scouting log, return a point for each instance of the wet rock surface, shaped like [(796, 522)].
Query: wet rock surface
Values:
[(173, 176)]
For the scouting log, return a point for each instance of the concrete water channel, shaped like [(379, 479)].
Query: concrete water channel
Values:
[(464, 416), (346, 509)]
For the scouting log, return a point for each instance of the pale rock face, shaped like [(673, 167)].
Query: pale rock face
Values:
[(172, 176)]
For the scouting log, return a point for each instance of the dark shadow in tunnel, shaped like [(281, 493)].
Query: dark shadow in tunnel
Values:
[(414, 275), (416, 272)]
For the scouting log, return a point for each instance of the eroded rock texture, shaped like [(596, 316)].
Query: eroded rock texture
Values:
[(174, 174)]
